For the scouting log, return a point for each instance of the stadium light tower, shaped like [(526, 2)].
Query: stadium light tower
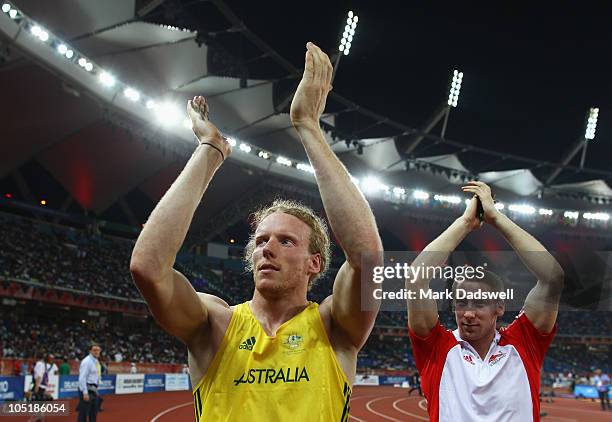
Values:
[(591, 123), (346, 41), (453, 96), (589, 131), (455, 88), (581, 143), (441, 114)]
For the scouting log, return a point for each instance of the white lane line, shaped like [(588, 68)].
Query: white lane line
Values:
[(378, 413), (357, 398), (423, 404), (171, 409), (396, 407)]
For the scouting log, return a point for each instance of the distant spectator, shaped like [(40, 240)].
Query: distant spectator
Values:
[(602, 382), (415, 382), (89, 380), (64, 368), (24, 368), (43, 369)]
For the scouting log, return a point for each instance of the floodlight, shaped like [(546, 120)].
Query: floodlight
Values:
[(348, 34), (455, 88), (305, 167), (168, 113), (397, 191), (571, 214), (284, 161), (521, 208), (591, 125), (130, 93), (601, 216), (419, 194), (372, 184), (447, 198)]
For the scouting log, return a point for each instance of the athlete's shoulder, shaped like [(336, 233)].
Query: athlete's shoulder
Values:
[(213, 300)]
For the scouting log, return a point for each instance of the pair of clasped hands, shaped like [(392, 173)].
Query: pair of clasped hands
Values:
[(306, 108)]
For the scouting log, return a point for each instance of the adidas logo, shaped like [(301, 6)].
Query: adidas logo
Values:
[(248, 344)]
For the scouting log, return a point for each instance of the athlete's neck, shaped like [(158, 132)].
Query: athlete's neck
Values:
[(271, 314), (482, 345)]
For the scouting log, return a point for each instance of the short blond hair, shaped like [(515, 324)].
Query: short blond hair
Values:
[(319, 235)]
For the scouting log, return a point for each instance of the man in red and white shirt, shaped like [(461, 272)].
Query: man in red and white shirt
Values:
[(477, 373)]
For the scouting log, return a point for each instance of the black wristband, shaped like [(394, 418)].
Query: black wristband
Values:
[(215, 147)]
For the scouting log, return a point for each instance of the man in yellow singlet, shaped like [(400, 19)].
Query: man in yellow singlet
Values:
[(276, 357)]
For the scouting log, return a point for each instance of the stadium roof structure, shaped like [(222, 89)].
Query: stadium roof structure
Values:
[(108, 122)]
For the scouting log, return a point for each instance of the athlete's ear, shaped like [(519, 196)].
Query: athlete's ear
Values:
[(501, 309), (314, 265)]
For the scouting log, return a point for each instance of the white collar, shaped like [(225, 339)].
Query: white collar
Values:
[(465, 343)]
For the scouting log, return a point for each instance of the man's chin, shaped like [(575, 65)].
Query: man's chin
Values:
[(469, 334), (269, 285)]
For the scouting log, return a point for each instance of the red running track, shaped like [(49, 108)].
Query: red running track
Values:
[(368, 404)]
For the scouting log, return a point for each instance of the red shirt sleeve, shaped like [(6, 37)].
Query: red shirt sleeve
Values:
[(531, 344)]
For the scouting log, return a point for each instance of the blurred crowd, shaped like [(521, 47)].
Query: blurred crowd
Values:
[(28, 336), (65, 257)]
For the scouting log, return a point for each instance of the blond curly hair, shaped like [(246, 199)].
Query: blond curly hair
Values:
[(319, 234)]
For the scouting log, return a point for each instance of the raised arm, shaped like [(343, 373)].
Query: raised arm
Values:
[(542, 303), (172, 300), (349, 214), (423, 312)]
